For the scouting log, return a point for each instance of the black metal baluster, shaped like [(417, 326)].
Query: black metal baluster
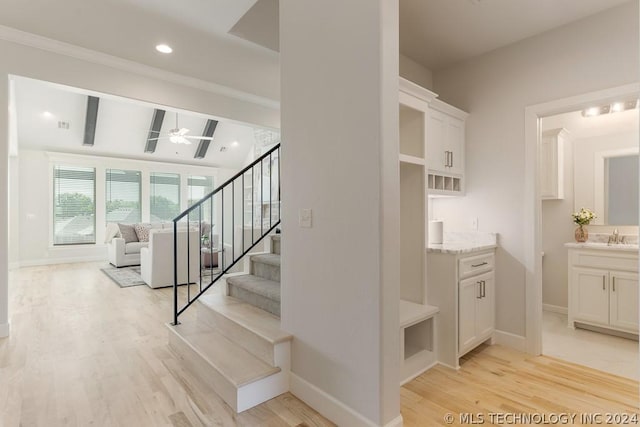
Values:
[(261, 197), (279, 202), (233, 220), (175, 273), (200, 245), (243, 212), (176, 266), (270, 190), (222, 229), (253, 184)]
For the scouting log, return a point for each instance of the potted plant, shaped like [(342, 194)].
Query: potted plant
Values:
[(583, 217)]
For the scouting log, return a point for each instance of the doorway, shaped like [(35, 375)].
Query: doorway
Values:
[(546, 298), (589, 160)]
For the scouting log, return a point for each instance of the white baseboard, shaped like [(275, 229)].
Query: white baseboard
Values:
[(52, 261), (396, 422), (4, 330), (554, 308), (330, 407), (507, 339)]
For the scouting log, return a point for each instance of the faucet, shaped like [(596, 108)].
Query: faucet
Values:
[(615, 237)]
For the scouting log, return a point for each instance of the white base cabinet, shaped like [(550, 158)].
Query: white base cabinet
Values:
[(463, 288), (603, 289), (476, 311)]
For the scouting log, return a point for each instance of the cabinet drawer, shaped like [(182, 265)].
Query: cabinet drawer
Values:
[(476, 264), (598, 259)]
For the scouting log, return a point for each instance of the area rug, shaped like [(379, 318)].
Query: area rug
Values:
[(124, 276)]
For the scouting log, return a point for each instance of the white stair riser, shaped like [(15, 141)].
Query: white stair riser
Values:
[(200, 368), (260, 391), (251, 342)]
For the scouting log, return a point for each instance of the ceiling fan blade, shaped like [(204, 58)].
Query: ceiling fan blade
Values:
[(210, 138), (182, 132)]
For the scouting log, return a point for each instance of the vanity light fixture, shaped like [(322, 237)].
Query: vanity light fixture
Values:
[(614, 107), (164, 48)]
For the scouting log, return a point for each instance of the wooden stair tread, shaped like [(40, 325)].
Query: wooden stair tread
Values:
[(261, 323), (232, 361)]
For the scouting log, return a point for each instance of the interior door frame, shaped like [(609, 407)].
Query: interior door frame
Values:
[(532, 233)]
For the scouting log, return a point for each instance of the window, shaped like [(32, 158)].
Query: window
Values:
[(123, 196), (165, 196), (74, 205), (200, 186)]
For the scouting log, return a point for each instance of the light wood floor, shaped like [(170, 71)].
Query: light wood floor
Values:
[(496, 379), (85, 352)]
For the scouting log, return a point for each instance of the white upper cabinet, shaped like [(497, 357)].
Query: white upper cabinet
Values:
[(552, 164), (445, 148)]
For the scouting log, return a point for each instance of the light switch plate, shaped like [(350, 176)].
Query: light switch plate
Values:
[(305, 218)]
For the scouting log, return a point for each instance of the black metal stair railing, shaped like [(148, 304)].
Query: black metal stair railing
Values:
[(221, 228)]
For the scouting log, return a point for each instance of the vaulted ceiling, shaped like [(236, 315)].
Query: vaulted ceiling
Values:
[(53, 117)]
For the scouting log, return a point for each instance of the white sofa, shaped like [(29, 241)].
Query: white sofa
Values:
[(122, 254), (156, 260)]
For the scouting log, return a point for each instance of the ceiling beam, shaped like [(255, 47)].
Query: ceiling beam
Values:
[(203, 146), (90, 122), (154, 131)]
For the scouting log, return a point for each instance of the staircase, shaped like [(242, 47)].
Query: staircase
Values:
[(234, 344), (260, 288)]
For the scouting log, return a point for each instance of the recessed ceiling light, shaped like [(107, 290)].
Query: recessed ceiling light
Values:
[(164, 48), (47, 115), (617, 107), (235, 143)]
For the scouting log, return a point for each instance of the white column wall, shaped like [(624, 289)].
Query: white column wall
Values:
[(340, 278)]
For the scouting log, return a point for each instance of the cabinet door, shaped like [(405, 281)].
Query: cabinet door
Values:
[(455, 145), (623, 300), (468, 295), (437, 141), (591, 295), (485, 314)]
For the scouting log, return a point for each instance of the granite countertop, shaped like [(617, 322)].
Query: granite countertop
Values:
[(600, 241), (464, 242), (626, 247)]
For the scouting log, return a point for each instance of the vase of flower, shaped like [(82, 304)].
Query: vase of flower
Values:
[(581, 218), (582, 235)]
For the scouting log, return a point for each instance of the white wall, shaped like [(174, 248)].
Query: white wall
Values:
[(417, 73), (340, 278), (495, 89), (116, 79)]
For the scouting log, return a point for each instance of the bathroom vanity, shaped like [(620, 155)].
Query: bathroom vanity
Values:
[(603, 286)]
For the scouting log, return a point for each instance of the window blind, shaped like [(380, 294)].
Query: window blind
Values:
[(74, 201), (164, 196), (123, 196)]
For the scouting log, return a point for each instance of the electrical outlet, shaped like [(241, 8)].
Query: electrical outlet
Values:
[(474, 223)]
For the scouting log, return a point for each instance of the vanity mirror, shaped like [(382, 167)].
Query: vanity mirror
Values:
[(607, 182)]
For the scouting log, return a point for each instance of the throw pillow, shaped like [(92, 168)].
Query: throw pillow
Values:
[(111, 231), (128, 233), (142, 231)]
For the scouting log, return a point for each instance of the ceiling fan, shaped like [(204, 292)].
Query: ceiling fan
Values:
[(179, 135)]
